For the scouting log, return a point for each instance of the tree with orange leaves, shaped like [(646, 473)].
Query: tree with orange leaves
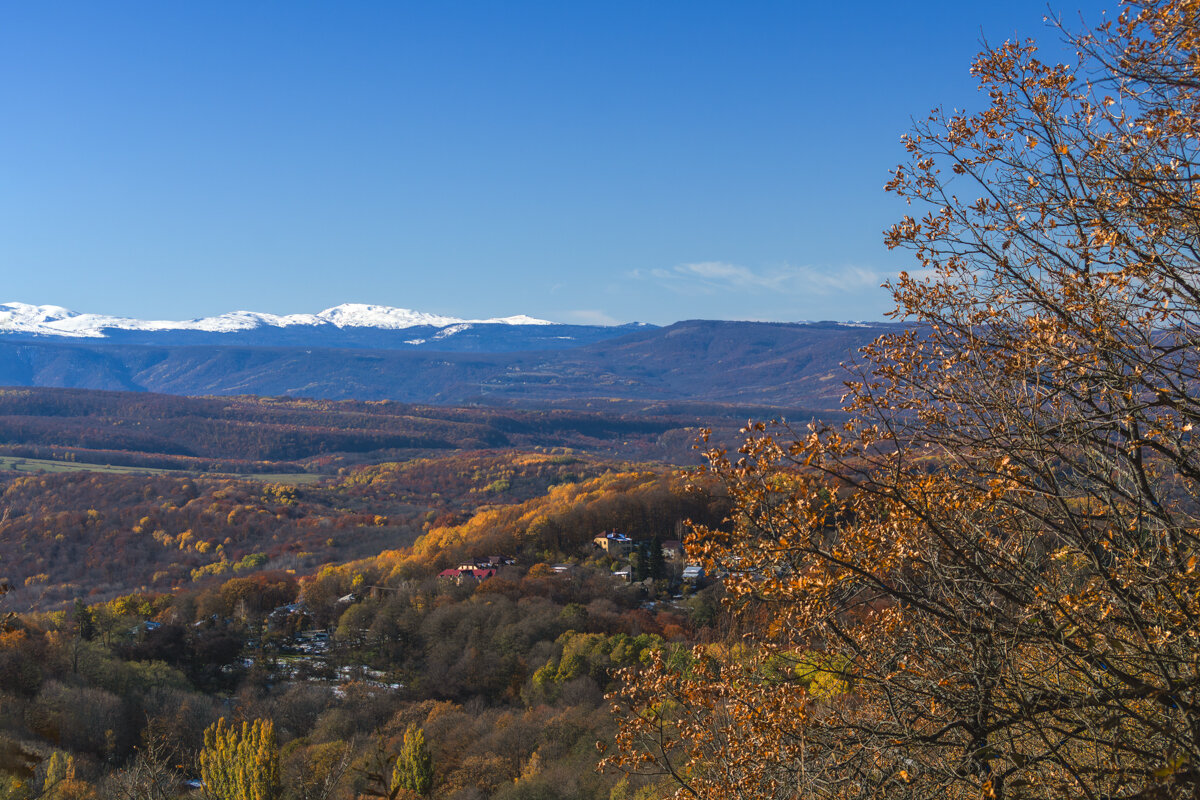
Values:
[(985, 585)]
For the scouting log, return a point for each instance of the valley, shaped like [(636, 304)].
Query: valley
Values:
[(345, 533), (144, 594)]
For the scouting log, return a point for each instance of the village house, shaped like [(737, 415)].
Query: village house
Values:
[(465, 574), (614, 544)]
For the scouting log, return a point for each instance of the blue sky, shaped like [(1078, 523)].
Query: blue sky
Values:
[(579, 161)]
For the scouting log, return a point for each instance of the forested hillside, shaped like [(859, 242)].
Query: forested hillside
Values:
[(65, 535), (272, 435), (180, 601)]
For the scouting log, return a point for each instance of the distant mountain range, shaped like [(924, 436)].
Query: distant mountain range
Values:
[(380, 353), (352, 325)]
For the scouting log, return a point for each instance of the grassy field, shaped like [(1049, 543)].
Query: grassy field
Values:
[(294, 478), (34, 465), (12, 464)]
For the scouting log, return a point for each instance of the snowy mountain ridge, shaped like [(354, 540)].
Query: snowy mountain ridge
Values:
[(50, 320)]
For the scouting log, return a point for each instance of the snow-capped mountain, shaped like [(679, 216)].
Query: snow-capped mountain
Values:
[(49, 320), (353, 325)]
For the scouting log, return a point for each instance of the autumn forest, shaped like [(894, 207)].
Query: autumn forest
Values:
[(978, 577)]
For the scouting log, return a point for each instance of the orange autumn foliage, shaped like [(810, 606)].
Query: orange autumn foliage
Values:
[(985, 585)]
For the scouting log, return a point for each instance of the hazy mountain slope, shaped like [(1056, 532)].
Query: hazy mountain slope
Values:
[(761, 363), (749, 362)]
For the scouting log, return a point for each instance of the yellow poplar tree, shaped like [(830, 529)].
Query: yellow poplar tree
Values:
[(241, 763), (414, 765)]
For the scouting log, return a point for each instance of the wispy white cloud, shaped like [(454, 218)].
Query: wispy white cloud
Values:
[(713, 277)]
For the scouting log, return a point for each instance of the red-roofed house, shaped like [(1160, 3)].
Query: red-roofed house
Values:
[(464, 574)]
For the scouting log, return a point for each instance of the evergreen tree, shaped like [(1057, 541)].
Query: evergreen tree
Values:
[(85, 623), (638, 565), (655, 563)]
